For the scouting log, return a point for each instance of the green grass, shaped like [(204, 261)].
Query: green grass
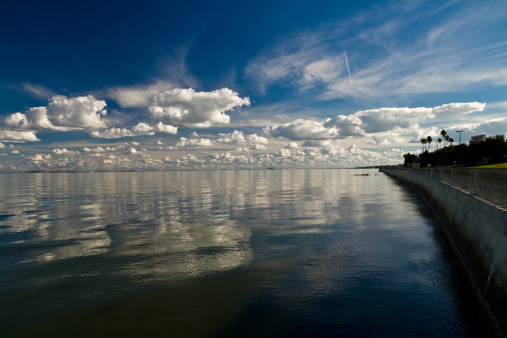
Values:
[(493, 166)]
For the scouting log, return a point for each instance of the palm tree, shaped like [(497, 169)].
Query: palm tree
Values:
[(429, 139), (444, 134), (423, 141), (451, 140), (439, 141)]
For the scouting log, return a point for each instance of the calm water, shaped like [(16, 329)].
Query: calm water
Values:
[(280, 253)]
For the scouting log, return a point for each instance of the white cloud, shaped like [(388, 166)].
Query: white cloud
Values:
[(291, 145), (33, 118), (138, 96), (284, 152), (17, 136), (132, 151), (258, 147), (142, 129), (500, 104), (188, 108), (64, 151), (165, 128), (16, 120), (320, 143), (200, 142), (37, 90), (62, 113), (347, 125), (40, 157), (325, 71), (456, 109), (83, 112), (455, 47), (256, 139), (385, 119), (138, 130), (301, 129), (383, 125), (490, 127), (238, 137), (112, 133)]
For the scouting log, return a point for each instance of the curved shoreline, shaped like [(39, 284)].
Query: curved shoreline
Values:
[(475, 227)]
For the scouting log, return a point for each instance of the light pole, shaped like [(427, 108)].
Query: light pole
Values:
[(459, 131)]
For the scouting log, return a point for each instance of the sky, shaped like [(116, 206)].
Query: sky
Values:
[(156, 85)]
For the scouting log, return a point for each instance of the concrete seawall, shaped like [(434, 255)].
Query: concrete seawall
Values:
[(477, 227)]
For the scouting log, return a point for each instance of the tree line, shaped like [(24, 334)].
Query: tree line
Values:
[(492, 150)]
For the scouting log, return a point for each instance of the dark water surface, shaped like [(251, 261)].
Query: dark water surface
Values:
[(282, 253)]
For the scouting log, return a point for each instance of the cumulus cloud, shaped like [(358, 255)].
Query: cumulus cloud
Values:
[(456, 109), (138, 130), (284, 152), (291, 145), (302, 129), (319, 143), (64, 151), (385, 119), (83, 112), (62, 113), (112, 133), (188, 108), (384, 125), (142, 129), (347, 125), (40, 157), (238, 137), (33, 118), (99, 149), (258, 147), (256, 139), (17, 136), (199, 142), (165, 128)]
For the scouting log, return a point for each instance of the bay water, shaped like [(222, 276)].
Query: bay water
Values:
[(232, 253)]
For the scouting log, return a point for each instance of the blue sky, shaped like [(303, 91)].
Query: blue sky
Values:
[(165, 85)]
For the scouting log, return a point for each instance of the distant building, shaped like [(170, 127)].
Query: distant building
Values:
[(477, 139)]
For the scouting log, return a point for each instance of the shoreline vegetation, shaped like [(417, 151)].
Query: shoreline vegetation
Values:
[(490, 153)]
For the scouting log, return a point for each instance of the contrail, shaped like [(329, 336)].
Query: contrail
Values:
[(350, 78)]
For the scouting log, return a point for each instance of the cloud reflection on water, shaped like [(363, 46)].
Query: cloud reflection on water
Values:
[(175, 224)]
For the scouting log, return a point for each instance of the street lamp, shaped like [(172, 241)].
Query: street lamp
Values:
[(459, 131)]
